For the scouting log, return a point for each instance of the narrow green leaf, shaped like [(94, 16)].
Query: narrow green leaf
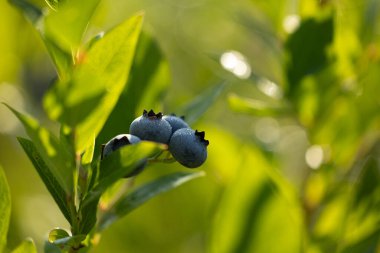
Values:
[(196, 108), (5, 209), (85, 101), (56, 234), (252, 106), (143, 194), (26, 246), (51, 183), (58, 160), (30, 11), (67, 25), (112, 168)]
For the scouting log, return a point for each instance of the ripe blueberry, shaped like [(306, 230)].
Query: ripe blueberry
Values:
[(118, 142), (175, 122), (189, 147), (150, 126)]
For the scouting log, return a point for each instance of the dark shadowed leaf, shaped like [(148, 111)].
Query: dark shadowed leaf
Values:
[(85, 101), (141, 195), (5, 209)]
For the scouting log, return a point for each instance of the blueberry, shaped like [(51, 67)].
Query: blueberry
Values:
[(189, 147), (150, 126), (175, 122), (118, 142)]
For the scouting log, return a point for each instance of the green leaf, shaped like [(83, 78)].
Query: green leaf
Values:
[(252, 106), (150, 77), (5, 209), (30, 11), (51, 183), (112, 168), (58, 160), (85, 101), (196, 108), (307, 49), (26, 246), (141, 195), (66, 26), (62, 60)]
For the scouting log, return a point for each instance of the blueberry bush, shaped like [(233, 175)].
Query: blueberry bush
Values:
[(281, 125)]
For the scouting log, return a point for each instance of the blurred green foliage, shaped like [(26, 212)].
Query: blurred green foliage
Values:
[(294, 149)]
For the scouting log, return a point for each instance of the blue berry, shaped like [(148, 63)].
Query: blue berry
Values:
[(176, 122), (150, 126), (118, 142), (189, 147)]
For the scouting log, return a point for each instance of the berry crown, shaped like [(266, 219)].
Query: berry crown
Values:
[(152, 115), (201, 136)]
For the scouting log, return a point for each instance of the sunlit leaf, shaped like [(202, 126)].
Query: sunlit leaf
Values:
[(26, 246), (85, 101), (50, 181), (67, 25), (138, 197), (5, 209), (197, 107), (57, 159)]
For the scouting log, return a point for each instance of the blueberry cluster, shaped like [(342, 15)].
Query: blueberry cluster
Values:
[(187, 146)]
